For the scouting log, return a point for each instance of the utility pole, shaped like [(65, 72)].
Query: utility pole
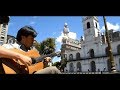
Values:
[(113, 69)]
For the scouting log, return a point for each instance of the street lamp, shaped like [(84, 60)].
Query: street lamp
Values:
[(113, 69)]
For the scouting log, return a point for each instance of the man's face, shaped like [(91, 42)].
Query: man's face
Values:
[(28, 41)]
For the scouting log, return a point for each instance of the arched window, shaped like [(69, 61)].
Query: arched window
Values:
[(107, 51), (118, 49), (92, 53), (65, 56), (70, 57), (77, 56), (88, 25), (93, 66)]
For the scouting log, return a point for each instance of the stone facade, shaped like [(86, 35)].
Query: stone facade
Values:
[(93, 52)]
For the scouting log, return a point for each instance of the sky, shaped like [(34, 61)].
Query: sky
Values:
[(52, 26)]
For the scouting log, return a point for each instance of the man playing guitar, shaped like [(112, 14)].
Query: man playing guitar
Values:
[(25, 38)]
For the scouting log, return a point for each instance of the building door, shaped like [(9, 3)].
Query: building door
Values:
[(78, 67), (71, 67), (93, 66), (109, 65), (119, 64)]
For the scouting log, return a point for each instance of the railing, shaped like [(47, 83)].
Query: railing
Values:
[(86, 72), (92, 58)]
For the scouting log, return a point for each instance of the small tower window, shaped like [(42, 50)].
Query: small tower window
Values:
[(96, 24), (88, 25)]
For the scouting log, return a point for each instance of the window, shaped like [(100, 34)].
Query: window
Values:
[(92, 53), (78, 67), (88, 25), (65, 56), (77, 56), (71, 57), (96, 24), (118, 49)]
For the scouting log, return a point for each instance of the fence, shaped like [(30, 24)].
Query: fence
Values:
[(86, 72)]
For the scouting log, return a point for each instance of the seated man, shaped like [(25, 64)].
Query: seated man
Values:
[(6, 53), (25, 38)]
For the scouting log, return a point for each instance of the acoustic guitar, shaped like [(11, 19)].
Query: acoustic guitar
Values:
[(12, 66)]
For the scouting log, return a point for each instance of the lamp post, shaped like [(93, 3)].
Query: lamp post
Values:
[(113, 69)]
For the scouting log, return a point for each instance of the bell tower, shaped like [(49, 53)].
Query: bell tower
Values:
[(3, 29), (90, 27)]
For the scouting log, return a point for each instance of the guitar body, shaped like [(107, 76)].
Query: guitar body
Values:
[(12, 66)]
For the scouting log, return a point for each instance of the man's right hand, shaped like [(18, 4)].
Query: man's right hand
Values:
[(25, 60)]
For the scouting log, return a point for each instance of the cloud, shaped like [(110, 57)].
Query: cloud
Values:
[(34, 16), (32, 22), (115, 27), (70, 34), (53, 33), (56, 59), (59, 38), (58, 47)]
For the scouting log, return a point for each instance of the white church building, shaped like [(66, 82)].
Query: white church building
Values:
[(91, 52)]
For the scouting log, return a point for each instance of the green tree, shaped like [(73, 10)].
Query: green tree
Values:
[(47, 46), (37, 45), (57, 64)]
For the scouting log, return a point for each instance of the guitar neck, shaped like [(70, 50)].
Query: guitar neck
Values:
[(41, 58)]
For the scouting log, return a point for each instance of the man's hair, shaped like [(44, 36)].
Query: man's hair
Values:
[(26, 31)]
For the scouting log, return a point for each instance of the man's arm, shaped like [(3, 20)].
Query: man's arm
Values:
[(6, 53)]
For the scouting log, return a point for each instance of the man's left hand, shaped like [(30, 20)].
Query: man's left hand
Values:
[(47, 59)]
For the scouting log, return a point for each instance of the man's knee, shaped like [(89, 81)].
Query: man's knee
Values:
[(54, 69)]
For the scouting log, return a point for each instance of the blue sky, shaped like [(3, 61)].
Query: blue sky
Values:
[(52, 26)]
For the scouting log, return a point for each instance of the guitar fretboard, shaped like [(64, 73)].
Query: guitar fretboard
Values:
[(41, 58)]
